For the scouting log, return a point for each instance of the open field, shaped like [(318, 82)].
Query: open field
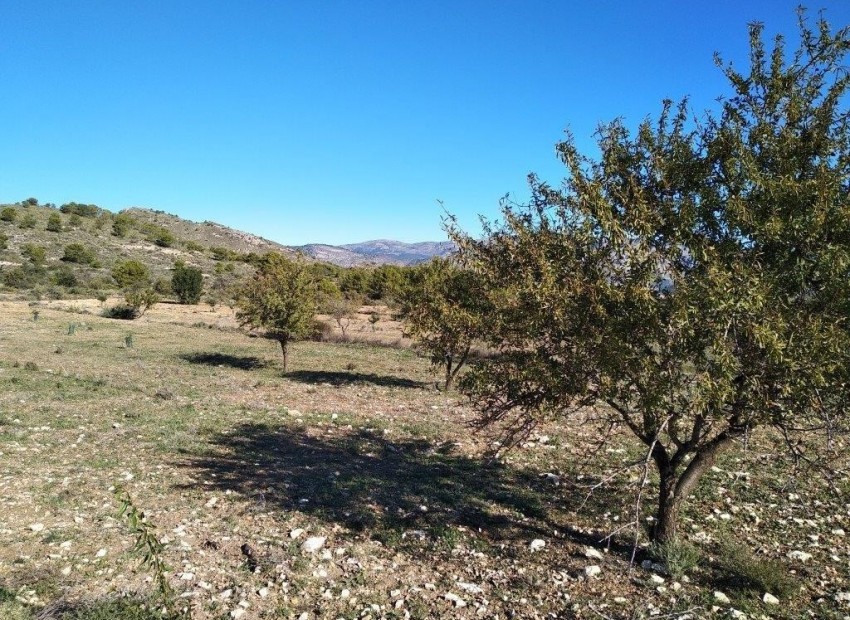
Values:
[(354, 445)]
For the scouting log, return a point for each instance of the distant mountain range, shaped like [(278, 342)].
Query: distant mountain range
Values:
[(378, 252)]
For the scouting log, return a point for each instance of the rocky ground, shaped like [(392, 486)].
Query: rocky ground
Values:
[(352, 488)]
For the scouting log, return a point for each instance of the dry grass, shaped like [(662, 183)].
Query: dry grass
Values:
[(355, 445)]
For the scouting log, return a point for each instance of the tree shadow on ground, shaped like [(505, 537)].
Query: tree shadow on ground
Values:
[(347, 378), (388, 490), (242, 362)]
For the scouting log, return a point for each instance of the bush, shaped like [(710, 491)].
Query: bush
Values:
[(54, 223), (761, 574), (122, 224), (677, 556), (162, 237), (78, 253), (187, 283), (4, 241), (81, 210), (28, 221), (321, 331), (193, 246), (123, 312), (141, 299), (9, 214), (130, 274), (35, 253), (26, 277), (64, 276)]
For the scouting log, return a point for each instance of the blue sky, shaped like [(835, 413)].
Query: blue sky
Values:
[(336, 122)]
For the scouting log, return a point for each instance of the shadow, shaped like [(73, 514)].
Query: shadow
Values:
[(369, 484), (348, 378), (400, 493), (242, 362)]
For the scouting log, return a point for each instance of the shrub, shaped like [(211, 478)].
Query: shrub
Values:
[(4, 241), (321, 331), (141, 299), (193, 246), (65, 276), (162, 237), (26, 277), (123, 312), (78, 253), (28, 221), (677, 556), (121, 225), (187, 283), (54, 223), (8, 214), (761, 574), (35, 253), (130, 273)]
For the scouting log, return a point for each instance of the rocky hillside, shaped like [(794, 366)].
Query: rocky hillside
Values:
[(378, 252)]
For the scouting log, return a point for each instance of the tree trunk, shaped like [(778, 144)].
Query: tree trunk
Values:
[(449, 375), (674, 489), (667, 517), (284, 347)]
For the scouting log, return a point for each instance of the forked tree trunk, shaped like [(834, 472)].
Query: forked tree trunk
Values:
[(453, 367), (674, 488)]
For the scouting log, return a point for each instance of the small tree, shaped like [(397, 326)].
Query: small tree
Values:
[(690, 285), (140, 300), (187, 283), (8, 214), (279, 299), (443, 312)]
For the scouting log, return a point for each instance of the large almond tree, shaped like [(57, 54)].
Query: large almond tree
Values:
[(691, 283)]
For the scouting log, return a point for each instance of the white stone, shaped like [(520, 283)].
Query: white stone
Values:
[(737, 614), (263, 592), (843, 597), (454, 598), (470, 587), (296, 533), (237, 613), (313, 544), (211, 502), (591, 553), (537, 544), (187, 576), (101, 553), (799, 555), (769, 599), (656, 579), (66, 571), (592, 571), (37, 527), (721, 598), (345, 593)]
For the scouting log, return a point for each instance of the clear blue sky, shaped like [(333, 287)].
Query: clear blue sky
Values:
[(319, 121)]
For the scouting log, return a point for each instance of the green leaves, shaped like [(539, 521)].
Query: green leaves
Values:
[(695, 279)]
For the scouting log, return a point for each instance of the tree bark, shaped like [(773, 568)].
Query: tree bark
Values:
[(284, 347), (675, 488), (449, 375)]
